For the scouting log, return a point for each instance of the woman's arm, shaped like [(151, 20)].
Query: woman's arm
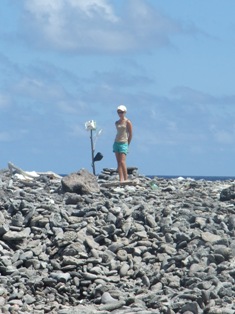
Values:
[(129, 130)]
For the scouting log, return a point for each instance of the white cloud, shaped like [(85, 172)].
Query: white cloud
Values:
[(95, 7), (37, 89), (93, 26), (70, 24)]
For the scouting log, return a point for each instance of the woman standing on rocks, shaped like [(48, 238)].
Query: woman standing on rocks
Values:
[(122, 141)]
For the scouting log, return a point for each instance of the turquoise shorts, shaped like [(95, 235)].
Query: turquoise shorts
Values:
[(119, 147)]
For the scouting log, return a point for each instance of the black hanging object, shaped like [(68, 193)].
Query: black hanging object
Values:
[(98, 157)]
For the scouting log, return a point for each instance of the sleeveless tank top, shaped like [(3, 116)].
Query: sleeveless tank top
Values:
[(122, 134)]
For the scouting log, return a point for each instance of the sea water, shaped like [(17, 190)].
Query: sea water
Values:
[(206, 178)]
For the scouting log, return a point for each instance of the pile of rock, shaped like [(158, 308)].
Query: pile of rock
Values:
[(73, 245), (111, 174)]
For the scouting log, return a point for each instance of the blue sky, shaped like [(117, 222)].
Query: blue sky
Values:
[(171, 63)]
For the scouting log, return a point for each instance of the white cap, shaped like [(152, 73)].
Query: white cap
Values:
[(122, 108)]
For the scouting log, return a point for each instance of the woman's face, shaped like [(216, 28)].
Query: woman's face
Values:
[(121, 113)]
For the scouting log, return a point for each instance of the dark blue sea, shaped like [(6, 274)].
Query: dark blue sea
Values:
[(206, 178)]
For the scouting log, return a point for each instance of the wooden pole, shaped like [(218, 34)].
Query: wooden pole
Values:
[(92, 152)]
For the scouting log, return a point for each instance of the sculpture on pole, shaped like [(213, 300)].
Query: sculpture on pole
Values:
[(91, 126)]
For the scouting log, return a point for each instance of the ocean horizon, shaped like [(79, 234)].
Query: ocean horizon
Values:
[(192, 177), (206, 178)]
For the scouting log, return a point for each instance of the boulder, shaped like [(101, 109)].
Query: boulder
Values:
[(228, 193), (81, 182)]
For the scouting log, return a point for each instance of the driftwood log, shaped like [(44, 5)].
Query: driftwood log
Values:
[(14, 169), (118, 183)]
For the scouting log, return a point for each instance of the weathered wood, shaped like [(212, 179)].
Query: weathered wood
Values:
[(50, 174), (118, 183), (18, 170)]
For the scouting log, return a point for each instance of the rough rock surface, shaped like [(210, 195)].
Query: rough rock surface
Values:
[(159, 246), (81, 182), (228, 193)]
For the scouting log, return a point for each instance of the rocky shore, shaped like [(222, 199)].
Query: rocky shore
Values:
[(86, 245)]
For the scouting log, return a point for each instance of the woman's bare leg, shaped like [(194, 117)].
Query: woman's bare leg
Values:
[(123, 166), (122, 170)]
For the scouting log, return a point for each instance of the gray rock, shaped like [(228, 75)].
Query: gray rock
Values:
[(16, 236), (117, 249), (4, 228), (81, 182), (228, 193)]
